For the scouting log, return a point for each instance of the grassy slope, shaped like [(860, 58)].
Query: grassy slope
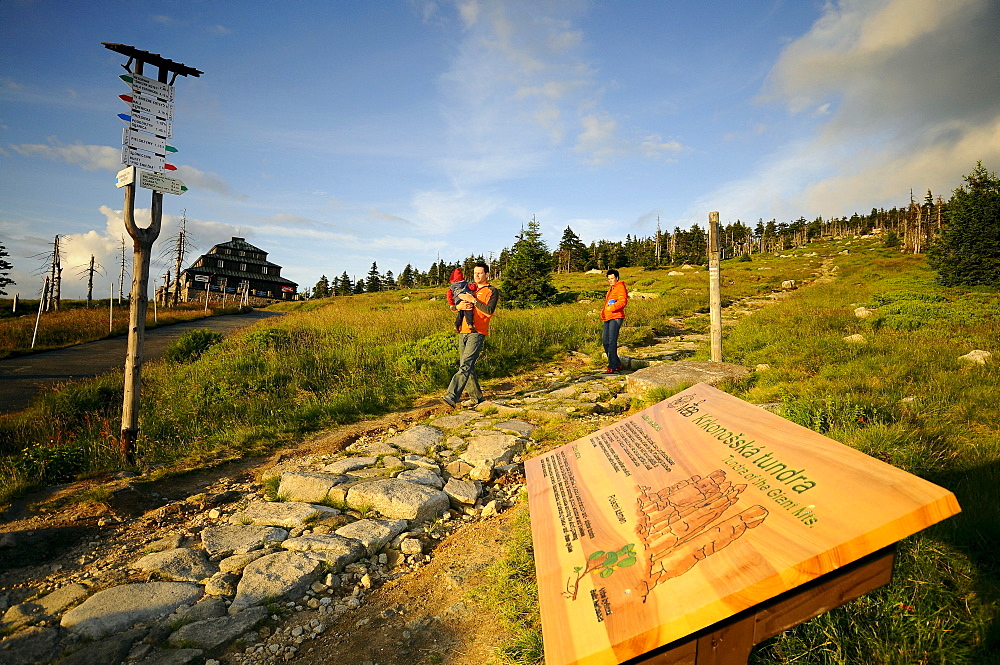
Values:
[(903, 396)]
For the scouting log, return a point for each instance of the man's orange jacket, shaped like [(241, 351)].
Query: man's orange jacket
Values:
[(615, 310)]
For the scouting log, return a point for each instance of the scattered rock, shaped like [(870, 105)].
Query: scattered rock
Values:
[(225, 540), (180, 565), (373, 534), (862, 312), (977, 356), (30, 646), (399, 499), (422, 477), (462, 492), (211, 634), (347, 464), (682, 372), (112, 649), (281, 576), (310, 487), (518, 427), (418, 439), (118, 608), (498, 448), (277, 513), (855, 339), (337, 551)]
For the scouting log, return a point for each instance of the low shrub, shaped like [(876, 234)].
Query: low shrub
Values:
[(189, 346)]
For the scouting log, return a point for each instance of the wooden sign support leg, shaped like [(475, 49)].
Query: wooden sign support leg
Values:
[(729, 642)]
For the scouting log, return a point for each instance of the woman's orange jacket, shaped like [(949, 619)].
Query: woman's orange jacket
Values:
[(615, 310)]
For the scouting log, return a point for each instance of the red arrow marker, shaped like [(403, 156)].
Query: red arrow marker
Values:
[(125, 98), (170, 167)]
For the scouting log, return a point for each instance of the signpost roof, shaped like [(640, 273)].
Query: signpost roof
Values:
[(154, 59)]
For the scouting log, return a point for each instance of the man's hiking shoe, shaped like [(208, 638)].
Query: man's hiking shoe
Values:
[(448, 401)]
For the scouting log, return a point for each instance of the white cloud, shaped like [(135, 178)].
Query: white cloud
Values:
[(88, 157), (210, 182), (905, 94)]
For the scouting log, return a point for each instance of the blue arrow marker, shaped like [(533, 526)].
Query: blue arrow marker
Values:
[(125, 117)]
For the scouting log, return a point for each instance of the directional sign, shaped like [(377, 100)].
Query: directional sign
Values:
[(149, 87), (155, 107), (201, 278), (125, 177), (145, 161), (142, 141), (145, 123), (161, 183)]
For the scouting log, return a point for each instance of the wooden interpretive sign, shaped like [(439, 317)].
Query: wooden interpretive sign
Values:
[(700, 508)]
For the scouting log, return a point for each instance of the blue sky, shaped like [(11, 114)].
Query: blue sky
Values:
[(334, 134)]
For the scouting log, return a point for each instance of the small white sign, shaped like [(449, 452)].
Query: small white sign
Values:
[(142, 141), (161, 183), (155, 107), (125, 177), (143, 160), (157, 126), (152, 87), (201, 278)]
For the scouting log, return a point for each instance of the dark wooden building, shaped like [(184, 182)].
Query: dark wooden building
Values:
[(238, 270)]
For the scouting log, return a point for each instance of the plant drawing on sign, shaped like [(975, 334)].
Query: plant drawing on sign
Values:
[(606, 562), (683, 524)]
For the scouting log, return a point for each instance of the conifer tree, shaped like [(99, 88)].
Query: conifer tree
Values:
[(967, 251), (322, 288), (374, 283), (527, 280)]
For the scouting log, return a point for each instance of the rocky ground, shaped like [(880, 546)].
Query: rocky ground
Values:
[(363, 545)]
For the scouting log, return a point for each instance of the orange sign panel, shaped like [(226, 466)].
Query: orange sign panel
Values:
[(695, 509)]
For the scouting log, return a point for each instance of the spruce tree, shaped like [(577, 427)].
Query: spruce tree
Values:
[(574, 251), (527, 280), (322, 288), (374, 283), (967, 252)]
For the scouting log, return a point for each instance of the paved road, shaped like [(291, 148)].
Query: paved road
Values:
[(24, 377)]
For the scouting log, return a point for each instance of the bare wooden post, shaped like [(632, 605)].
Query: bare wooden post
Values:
[(142, 245), (714, 286), (45, 294)]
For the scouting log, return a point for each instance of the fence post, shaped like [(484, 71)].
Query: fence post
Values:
[(714, 286)]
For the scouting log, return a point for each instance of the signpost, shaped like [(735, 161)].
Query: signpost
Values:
[(140, 149), (145, 123), (142, 141), (703, 525), (161, 183), (154, 107), (125, 177)]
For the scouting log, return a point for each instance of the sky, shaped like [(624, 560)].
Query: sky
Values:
[(337, 134)]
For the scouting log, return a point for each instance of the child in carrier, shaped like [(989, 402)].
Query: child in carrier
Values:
[(457, 287)]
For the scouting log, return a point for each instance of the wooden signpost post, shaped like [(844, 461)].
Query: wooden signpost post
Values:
[(703, 525)]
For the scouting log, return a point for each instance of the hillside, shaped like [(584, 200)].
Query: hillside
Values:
[(901, 394)]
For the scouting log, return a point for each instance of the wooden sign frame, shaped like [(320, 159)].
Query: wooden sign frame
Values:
[(705, 521)]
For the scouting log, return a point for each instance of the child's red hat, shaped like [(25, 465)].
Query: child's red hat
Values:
[(457, 275)]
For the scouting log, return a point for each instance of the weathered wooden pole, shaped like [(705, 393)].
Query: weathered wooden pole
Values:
[(142, 245), (38, 318), (714, 287), (142, 238)]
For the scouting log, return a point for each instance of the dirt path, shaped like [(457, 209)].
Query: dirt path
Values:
[(24, 377)]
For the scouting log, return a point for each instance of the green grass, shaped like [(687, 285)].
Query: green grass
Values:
[(74, 323), (903, 397), (512, 592)]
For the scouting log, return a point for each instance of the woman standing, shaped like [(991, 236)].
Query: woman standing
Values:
[(613, 316)]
